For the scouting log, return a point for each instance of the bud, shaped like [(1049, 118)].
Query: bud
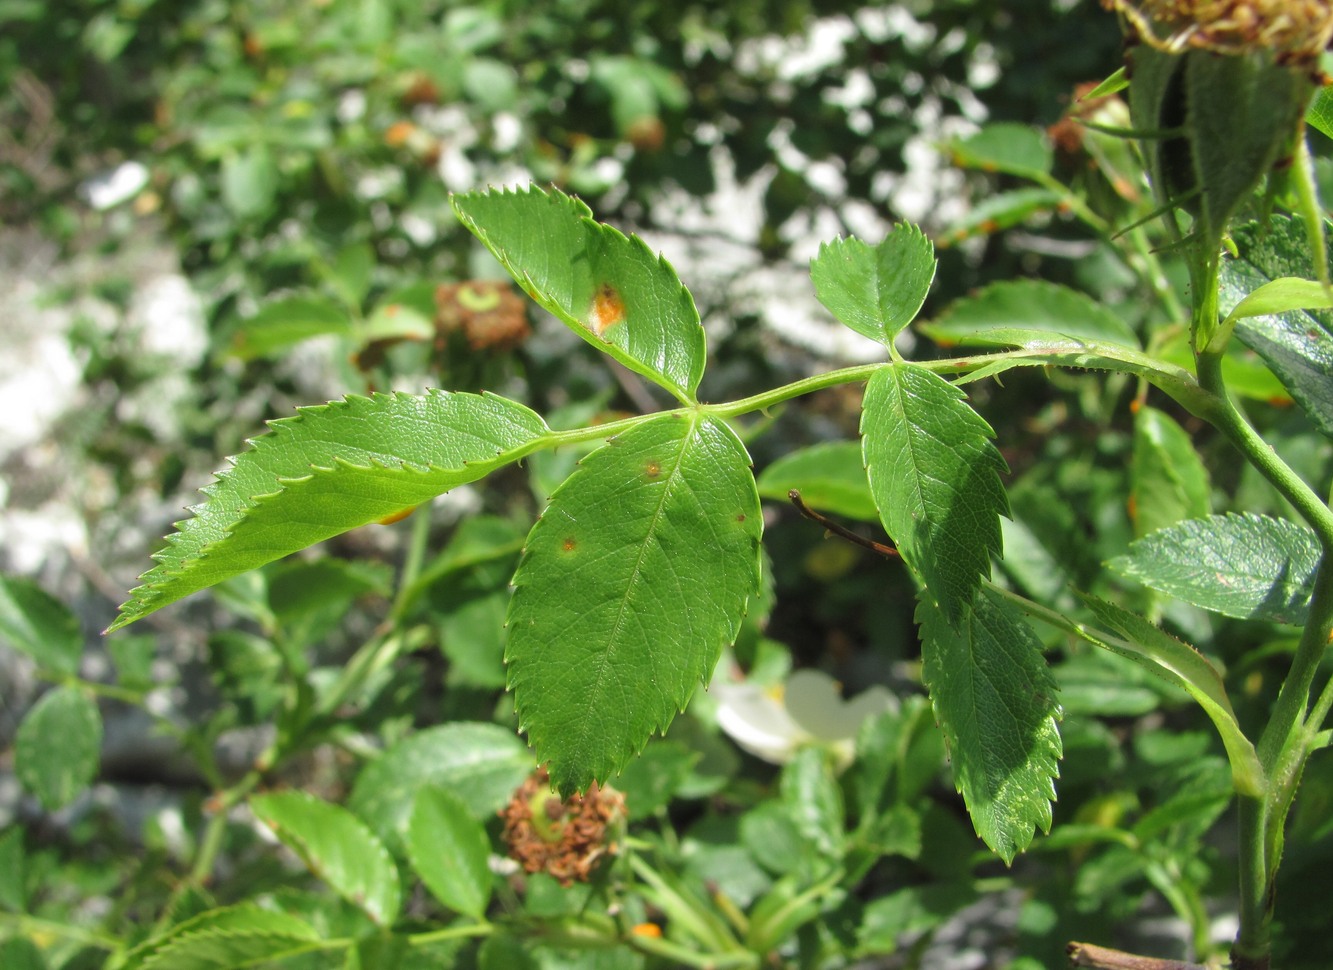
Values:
[(1219, 89)]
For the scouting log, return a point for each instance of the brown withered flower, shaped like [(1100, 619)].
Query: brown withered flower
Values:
[(488, 314), (563, 838), (1296, 31)]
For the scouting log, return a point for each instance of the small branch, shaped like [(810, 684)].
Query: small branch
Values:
[(840, 531), (1100, 958)]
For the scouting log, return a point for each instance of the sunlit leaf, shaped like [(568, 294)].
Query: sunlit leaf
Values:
[(329, 469), (994, 698), (935, 476), (608, 288), (875, 290), (633, 580)]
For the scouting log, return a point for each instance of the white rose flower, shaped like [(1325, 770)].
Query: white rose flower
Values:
[(772, 723)]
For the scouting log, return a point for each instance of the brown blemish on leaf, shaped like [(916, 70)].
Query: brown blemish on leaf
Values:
[(741, 517), (608, 309), (652, 469), (569, 545)]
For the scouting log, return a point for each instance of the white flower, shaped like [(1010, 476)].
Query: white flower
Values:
[(772, 723)]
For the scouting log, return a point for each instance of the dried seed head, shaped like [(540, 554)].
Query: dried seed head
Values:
[(1295, 31), (563, 838)]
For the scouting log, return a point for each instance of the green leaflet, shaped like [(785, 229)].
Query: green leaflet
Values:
[(1168, 481), (36, 623), (449, 850), (480, 763), (830, 476), (1018, 313), (1246, 566), (935, 476), (222, 939), (610, 289), (633, 580), (1004, 147), (875, 290), (995, 701), (338, 847), (329, 469), (1185, 667), (1297, 345), (59, 746)]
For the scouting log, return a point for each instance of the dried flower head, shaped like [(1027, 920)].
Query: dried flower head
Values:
[(1296, 31), (488, 313), (563, 838)]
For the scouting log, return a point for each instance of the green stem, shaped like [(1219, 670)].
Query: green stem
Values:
[(450, 933), (416, 555)]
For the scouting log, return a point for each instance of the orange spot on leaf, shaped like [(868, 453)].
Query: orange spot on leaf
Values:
[(398, 516), (652, 469), (647, 929), (569, 545), (608, 309)]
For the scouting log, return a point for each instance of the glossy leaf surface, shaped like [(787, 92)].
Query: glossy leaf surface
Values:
[(327, 470), (610, 289), (935, 476), (995, 701), (223, 939), (633, 580), (1298, 344), (1182, 665)]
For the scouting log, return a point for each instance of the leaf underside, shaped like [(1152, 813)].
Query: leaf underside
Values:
[(1296, 345), (610, 289), (1252, 567), (329, 469), (935, 476), (632, 582), (994, 698), (1019, 313)]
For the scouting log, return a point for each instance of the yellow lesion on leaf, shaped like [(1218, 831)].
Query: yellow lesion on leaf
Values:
[(607, 310)]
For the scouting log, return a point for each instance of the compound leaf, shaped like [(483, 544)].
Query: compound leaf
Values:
[(633, 580), (875, 290), (1252, 567), (329, 469), (338, 847), (1021, 312), (610, 289), (223, 939), (994, 698), (935, 476)]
